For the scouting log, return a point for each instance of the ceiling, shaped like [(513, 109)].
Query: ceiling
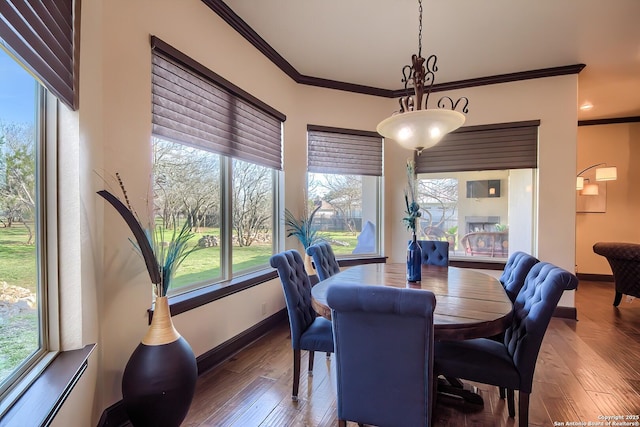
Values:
[(367, 42)]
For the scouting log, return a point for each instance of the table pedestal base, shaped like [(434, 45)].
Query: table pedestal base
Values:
[(454, 390)]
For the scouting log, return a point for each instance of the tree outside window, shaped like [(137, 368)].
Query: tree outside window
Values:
[(190, 185)]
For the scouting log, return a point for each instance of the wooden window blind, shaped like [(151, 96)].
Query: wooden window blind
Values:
[(193, 105), (41, 35), (343, 151), (488, 147)]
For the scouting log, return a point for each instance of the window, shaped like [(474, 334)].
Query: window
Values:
[(484, 226), (23, 304), (475, 190), (40, 36), (343, 183), (187, 184), (253, 219), (216, 161)]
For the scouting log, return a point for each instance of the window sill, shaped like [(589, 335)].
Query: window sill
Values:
[(199, 297), (42, 400), (350, 262), (484, 263)]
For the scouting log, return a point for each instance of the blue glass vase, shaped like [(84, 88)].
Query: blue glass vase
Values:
[(414, 261)]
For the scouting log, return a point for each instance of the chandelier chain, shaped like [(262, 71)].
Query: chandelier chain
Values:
[(420, 28)]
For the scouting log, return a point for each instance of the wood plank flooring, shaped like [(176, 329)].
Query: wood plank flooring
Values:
[(586, 369)]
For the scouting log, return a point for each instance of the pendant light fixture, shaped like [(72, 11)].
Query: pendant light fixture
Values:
[(415, 126)]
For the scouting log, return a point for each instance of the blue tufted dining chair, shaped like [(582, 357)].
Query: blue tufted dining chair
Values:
[(515, 271), (384, 354), (511, 363), (434, 252), (324, 260), (308, 330)]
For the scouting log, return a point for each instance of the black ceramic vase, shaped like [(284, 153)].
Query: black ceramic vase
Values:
[(160, 378)]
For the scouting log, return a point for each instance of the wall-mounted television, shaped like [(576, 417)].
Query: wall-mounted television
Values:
[(483, 188)]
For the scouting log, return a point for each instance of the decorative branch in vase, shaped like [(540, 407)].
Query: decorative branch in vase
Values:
[(154, 393), (413, 208), (161, 259), (414, 253)]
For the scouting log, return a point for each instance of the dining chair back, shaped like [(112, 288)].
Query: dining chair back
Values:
[(384, 354), (512, 279), (515, 272), (324, 260), (434, 252), (308, 330), (511, 363)]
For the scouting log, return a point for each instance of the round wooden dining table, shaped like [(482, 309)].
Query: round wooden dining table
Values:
[(469, 304)]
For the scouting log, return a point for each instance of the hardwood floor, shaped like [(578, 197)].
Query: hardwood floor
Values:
[(586, 370)]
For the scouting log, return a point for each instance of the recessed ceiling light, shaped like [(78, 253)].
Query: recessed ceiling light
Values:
[(586, 106)]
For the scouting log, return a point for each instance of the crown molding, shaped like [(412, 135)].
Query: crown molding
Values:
[(238, 24), (505, 78), (612, 121)]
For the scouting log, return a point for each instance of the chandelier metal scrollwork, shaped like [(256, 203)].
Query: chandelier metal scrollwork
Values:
[(420, 76), (415, 126)]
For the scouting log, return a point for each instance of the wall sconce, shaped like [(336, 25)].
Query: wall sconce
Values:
[(602, 174)]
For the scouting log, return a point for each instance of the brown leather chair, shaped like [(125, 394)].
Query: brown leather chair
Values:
[(624, 259)]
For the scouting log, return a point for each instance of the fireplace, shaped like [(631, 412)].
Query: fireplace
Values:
[(481, 223)]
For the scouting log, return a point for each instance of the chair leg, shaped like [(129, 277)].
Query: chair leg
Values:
[(343, 423), (617, 299), (511, 402), (503, 392), (296, 374), (328, 355), (523, 409), (311, 357)]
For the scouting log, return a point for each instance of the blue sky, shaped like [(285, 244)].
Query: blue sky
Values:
[(17, 91)]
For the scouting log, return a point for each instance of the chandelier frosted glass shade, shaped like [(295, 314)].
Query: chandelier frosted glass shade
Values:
[(420, 129)]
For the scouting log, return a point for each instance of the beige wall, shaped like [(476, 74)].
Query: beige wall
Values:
[(114, 136), (617, 145)]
